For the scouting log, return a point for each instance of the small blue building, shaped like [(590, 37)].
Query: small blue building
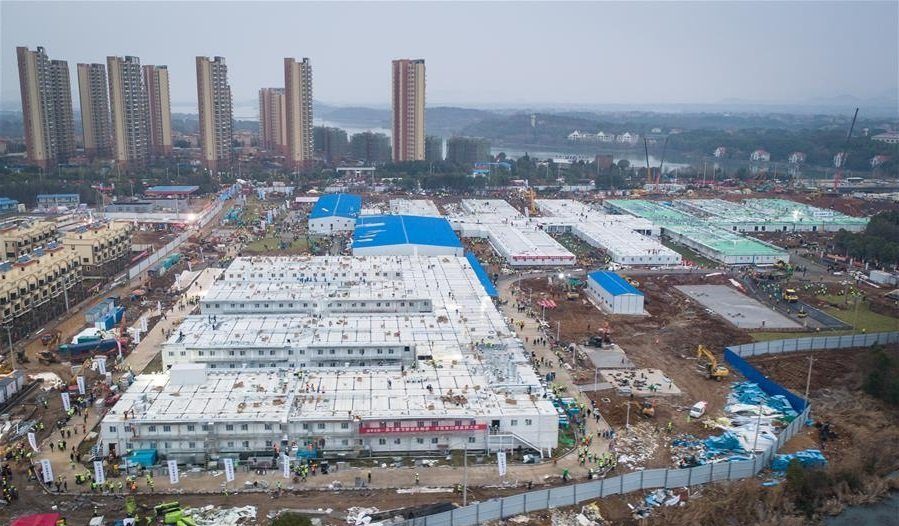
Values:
[(614, 294), (334, 213)]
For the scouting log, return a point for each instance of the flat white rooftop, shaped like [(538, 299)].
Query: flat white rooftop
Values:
[(414, 207), (619, 235)]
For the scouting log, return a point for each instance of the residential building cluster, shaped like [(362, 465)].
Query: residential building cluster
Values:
[(45, 269), (126, 113)]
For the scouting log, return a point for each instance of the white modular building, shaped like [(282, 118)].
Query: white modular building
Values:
[(628, 240), (414, 207), (334, 213), (338, 357), (614, 294)]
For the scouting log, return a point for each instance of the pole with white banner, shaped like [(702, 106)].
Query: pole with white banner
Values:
[(82, 389), (501, 464), (173, 471), (285, 465), (99, 472), (66, 402), (229, 469), (32, 441), (47, 470)]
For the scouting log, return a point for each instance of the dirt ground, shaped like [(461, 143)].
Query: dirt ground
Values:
[(677, 325), (835, 394)]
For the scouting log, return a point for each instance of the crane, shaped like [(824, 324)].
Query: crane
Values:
[(838, 176), (662, 162), (648, 169), (715, 371)]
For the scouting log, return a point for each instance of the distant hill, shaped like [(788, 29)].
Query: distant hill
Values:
[(440, 120)]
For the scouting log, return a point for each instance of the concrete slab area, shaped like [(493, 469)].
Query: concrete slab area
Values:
[(641, 382), (737, 308), (611, 357)]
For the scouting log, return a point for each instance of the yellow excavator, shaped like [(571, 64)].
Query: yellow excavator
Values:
[(715, 371)]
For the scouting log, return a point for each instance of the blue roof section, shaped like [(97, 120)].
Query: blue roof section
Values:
[(341, 205), (6, 200), (379, 231), (173, 189), (615, 284), (482, 275)]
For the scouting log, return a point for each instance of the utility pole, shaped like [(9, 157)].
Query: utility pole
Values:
[(627, 420), (558, 331), (12, 354), (758, 425), (808, 378), (465, 475)]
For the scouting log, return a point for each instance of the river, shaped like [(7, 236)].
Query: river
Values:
[(884, 513)]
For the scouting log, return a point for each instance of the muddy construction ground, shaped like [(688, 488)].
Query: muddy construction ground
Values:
[(666, 340)]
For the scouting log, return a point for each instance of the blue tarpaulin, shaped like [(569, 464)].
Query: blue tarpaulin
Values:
[(725, 442), (807, 457), (482, 275), (143, 457)]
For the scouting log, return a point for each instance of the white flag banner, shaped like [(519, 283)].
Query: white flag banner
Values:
[(173, 471), (99, 473), (47, 470), (101, 364), (285, 465), (66, 402), (82, 389), (501, 462), (229, 469), (32, 441)]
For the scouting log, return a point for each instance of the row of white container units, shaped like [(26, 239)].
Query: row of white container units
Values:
[(518, 245), (195, 440), (329, 356)]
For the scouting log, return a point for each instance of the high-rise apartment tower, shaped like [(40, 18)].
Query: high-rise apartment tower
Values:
[(408, 110)]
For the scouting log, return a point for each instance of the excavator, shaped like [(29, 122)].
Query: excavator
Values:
[(715, 371)]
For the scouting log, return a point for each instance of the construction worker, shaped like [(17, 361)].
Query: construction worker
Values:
[(417, 479)]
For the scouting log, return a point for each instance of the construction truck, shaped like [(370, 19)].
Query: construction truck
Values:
[(790, 295), (714, 371)]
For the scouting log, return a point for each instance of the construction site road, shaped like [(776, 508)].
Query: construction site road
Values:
[(185, 304)]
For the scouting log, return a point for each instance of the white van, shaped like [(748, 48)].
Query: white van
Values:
[(698, 409)]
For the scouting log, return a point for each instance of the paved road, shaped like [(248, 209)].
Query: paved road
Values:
[(151, 342)]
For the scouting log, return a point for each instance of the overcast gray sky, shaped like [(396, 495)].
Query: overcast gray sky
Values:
[(488, 53)]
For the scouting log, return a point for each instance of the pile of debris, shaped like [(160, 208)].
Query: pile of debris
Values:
[(659, 497), (357, 516), (636, 445), (215, 516), (751, 423)]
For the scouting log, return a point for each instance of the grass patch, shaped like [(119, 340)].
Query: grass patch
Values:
[(695, 257), (863, 319), (272, 244), (764, 336)]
